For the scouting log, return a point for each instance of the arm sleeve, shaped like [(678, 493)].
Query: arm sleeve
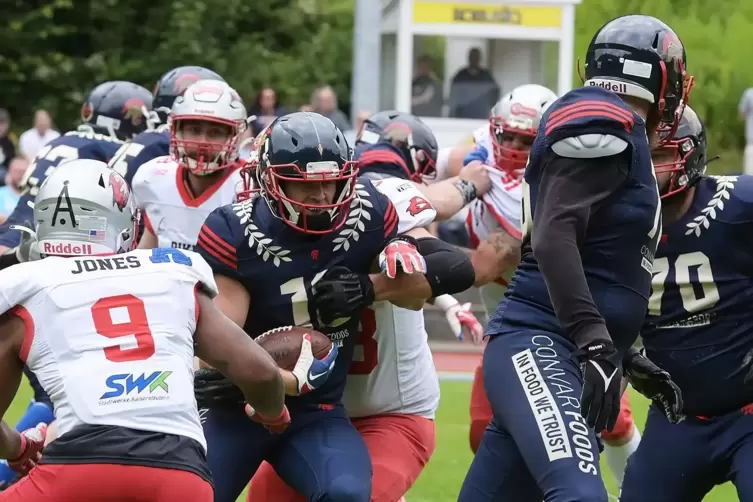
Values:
[(218, 242), (569, 192), (411, 207)]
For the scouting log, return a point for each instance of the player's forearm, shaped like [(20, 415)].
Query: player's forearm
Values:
[(10, 441), (494, 257), (406, 291), (445, 198)]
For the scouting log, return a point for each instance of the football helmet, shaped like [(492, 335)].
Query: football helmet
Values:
[(684, 155), (173, 83), (204, 149), (517, 113), (641, 56), (84, 208), (305, 147), (117, 108), (409, 135)]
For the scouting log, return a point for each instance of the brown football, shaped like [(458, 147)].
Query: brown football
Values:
[(284, 344)]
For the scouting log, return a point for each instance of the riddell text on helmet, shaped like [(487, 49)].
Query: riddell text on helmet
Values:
[(615, 87), (66, 249)]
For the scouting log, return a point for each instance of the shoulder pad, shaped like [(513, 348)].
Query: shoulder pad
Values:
[(144, 174), (203, 273), (589, 146), (19, 282), (413, 209), (588, 107)]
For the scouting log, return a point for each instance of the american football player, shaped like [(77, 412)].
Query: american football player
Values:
[(591, 221), (697, 331), (113, 112), (299, 252), (392, 390), (399, 145), (155, 140), (177, 192), (111, 333)]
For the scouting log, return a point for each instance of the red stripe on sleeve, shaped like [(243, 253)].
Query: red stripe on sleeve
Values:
[(589, 109), (381, 157)]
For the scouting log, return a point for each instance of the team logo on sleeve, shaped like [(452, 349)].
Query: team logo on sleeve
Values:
[(418, 205), (120, 191), (87, 112)]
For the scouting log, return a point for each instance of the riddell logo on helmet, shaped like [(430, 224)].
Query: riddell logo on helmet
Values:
[(67, 249), (615, 87)]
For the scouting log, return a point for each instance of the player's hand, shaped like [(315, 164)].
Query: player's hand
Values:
[(30, 451), (478, 154), (477, 173), (341, 293), (655, 384), (310, 372), (460, 318), (601, 368), (401, 255), (213, 390), (275, 425)]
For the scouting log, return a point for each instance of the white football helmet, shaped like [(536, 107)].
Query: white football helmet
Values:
[(205, 123), (513, 124), (84, 208)]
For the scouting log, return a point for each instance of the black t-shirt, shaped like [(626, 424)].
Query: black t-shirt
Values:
[(433, 108)]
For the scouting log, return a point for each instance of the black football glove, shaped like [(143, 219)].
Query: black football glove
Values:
[(341, 293), (214, 390), (655, 384), (601, 367)]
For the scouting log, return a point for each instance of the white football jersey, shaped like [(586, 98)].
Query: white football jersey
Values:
[(498, 209), (393, 370), (169, 211), (111, 339)]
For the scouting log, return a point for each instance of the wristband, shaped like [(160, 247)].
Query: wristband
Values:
[(467, 190)]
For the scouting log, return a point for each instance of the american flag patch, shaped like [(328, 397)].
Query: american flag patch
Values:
[(96, 235)]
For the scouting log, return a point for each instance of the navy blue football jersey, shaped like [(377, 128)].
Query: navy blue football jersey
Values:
[(621, 237), (141, 149), (699, 326), (277, 265), (71, 146)]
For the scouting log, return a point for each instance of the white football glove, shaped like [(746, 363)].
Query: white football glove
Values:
[(460, 318)]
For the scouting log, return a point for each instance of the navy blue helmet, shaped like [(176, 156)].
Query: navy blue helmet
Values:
[(117, 108), (174, 82), (305, 147), (641, 56)]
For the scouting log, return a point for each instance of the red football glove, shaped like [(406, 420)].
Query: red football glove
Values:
[(30, 452), (401, 253), (274, 425)]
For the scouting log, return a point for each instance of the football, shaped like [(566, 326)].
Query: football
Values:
[(284, 344)]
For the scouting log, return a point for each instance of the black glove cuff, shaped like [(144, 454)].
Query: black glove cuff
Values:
[(367, 288), (405, 238)]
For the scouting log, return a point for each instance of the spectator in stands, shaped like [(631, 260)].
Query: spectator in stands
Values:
[(324, 101), (7, 147), (746, 113), (427, 98), (266, 108), (38, 136), (473, 91), (11, 192)]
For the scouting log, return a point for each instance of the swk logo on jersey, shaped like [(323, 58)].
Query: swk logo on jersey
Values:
[(418, 205), (124, 384)]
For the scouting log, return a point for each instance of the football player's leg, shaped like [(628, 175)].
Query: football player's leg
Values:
[(741, 470), (324, 458), (400, 446), (498, 472), (267, 485), (235, 449), (481, 410), (534, 387), (674, 460), (622, 441)]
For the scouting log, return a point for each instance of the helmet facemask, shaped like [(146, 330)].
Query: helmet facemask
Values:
[(204, 145), (671, 157), (310, 217), (512, 143)]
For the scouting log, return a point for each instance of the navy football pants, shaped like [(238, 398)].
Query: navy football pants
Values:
[(538, 445), (682, 462), (320, 455)]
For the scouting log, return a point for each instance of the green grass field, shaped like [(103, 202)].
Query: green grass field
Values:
[(441, 480)]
